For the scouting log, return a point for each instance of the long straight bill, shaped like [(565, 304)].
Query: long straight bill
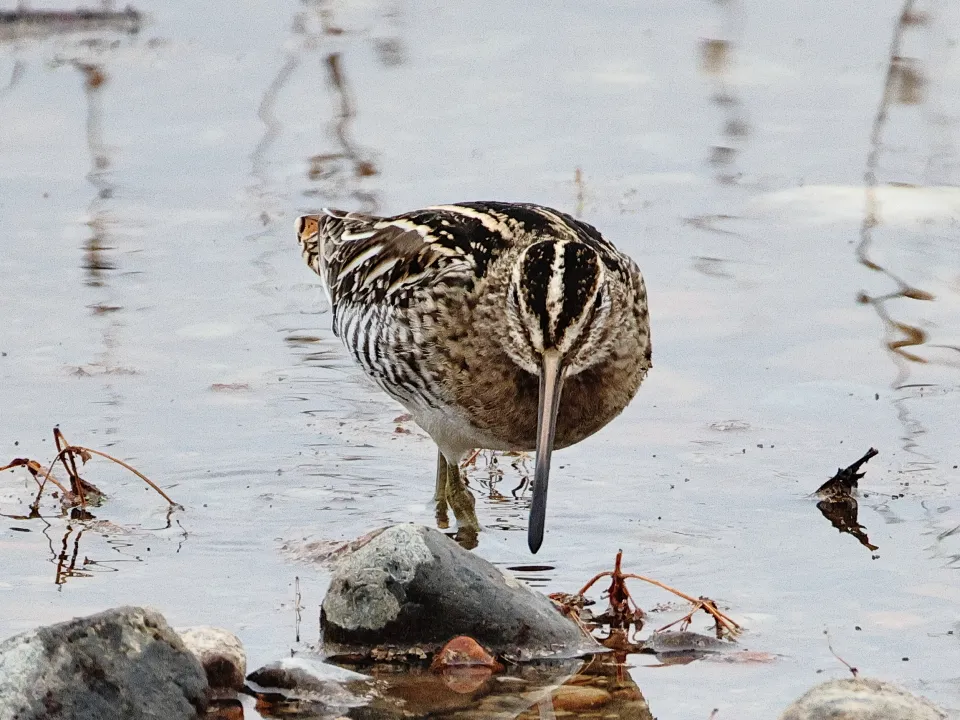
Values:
[(551, 382)]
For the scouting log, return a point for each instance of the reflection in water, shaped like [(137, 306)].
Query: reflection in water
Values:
[(24, 23), (904, 86), (601, 687), (717, 55), (906, 81), (97, 262), (307, 41), (842, 514), (606, 680), (342, 172), (716, 61), (70, 533), (66, 560), (389, 44), (15, 76), (272, 126), (311, 26), (581, 192), (536, 576)]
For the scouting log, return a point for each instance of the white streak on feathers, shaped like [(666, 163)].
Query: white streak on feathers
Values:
[(489, 220), (357, 261), (555, 288)]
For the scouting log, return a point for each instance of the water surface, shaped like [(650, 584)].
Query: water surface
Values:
[(786, 178)]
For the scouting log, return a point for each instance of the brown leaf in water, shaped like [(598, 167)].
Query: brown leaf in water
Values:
[(839, 506)]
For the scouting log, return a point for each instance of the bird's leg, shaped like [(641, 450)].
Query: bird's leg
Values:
[(462, 501), (440, 494)]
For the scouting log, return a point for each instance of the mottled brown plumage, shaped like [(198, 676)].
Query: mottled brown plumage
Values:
[(475, 315)]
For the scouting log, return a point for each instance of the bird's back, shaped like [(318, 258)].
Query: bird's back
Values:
[(365, 259)]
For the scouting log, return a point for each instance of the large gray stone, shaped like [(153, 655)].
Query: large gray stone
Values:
[(409, 589), (122, 664), (861, 699)]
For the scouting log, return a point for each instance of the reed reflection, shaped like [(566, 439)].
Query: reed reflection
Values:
[(717, 61), (903, 86)]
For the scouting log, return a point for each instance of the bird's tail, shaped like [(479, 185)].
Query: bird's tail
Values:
[(311, 241), (318, 236), (316, 233), (325, 239)]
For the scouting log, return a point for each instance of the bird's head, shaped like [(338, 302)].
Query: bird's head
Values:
[(558, 318), (558, 303)]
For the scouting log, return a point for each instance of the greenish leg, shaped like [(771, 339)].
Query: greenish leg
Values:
[(462, 502), (440, 494)]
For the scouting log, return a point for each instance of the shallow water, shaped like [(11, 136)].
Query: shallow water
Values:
[(766, 166)]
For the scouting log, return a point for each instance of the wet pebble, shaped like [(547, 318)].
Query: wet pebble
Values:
[(577, 698), (461, 652), (221, 654), (861, 699), (225, 710)]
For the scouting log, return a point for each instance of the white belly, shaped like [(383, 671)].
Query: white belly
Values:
[(453, 433)]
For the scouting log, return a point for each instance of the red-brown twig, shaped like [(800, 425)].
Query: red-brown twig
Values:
[(471, 460), (35, 469), (853, 671), (621, 603), (66, 455)]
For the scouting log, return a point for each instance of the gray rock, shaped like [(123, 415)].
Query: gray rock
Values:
[(861, 699), (221, 654), (409, 589), (123, 664)]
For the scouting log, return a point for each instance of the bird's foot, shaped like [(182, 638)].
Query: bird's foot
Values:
[(467, 539), (464, 506)]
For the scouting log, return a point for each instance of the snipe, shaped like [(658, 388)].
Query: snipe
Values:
[(497, 325)]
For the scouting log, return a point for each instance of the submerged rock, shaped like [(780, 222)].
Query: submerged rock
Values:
[(861, 699), (420, 693), (685, 641), (221, 654), (304, 686), (409, 589), (123, 664), (602, 689)]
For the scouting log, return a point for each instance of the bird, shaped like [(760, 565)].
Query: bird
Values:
[(498, 325)]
